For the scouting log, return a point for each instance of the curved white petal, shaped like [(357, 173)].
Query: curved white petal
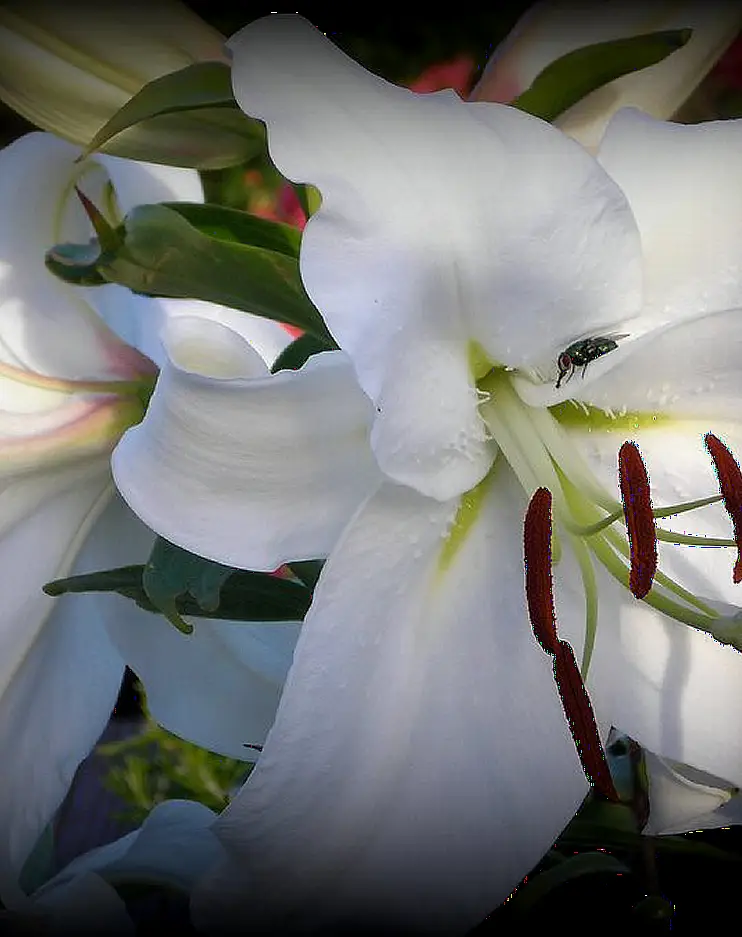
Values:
[(218, 687), (87, 905), (137, 183), (174, 846), (420, 763), (677, 803), (245, 470), (690, 369), (675, 690), (526, 246), (684, 185), (59, 673), (46, 326), (140, 321)]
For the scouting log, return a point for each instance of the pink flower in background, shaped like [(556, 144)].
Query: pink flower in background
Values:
[(457, 73)]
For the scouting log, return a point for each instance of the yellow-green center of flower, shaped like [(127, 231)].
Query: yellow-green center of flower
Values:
[(536, 445)]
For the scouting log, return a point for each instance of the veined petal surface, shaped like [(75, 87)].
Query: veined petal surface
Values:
[(684, 186), (247, 470), (60, 674), (689, 369), (409, 261), (420, 763)]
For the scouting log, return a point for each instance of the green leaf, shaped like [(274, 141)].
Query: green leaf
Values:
[(203, 93), (230, 224), (295, 355), (573, 76), (243, 596), (164, 255), (171, 573), (614, 827), (542, 885)]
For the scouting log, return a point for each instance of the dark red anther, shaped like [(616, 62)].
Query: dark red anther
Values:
[(537, 553), (540, 597), (730, 485), (637, 508), (581, 718)]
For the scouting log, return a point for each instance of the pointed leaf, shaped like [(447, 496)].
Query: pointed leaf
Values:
[(245, 596), (573, 76), (542, 885), (202, 90), (230, 224), (171, 572), (164, 255)]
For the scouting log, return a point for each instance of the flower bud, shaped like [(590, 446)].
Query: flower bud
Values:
[(69, 67), (554, 28)]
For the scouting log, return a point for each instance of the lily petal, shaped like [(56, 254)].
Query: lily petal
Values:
[(679, 804), (60, 674), (687, 370), (179, 671), (243, 469), (420, 763), (404, 291), (684, 185), (140, 321), (174, 846), (87, 905), (46, 326), (664, 682)]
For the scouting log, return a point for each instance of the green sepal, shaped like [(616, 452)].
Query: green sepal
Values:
[(76, 264), (202, 92), (165, 255), (573, 76)]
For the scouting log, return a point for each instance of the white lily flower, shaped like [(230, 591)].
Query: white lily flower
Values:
[(69, 386), (553, 28), (173, 848), (420, 763)]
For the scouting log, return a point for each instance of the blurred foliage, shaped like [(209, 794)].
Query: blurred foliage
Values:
[(154, 765)]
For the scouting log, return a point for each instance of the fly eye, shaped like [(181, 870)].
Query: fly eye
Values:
[(564, 361)]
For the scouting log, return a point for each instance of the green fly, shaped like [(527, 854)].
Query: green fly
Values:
[(580, 354)]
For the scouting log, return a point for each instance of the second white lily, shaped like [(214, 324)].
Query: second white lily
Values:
[(76, 367)]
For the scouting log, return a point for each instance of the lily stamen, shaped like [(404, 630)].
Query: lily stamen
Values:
[(730, 483), (572, 692), (640, 525)]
